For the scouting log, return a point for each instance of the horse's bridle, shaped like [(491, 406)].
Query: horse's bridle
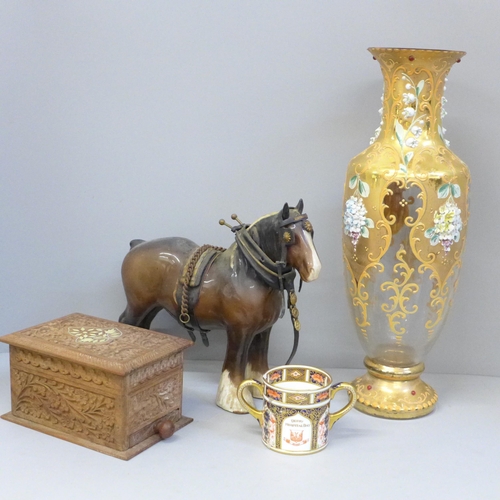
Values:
[(288, 237), (278, 275)]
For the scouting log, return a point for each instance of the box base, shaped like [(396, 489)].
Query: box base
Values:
[(123, 455)]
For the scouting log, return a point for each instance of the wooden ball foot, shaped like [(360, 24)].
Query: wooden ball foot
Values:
[(165, 429)]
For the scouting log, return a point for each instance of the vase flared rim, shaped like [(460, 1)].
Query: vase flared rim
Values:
[(402, 50)]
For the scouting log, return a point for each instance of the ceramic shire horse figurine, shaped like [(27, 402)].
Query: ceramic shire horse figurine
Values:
[(240, 289)]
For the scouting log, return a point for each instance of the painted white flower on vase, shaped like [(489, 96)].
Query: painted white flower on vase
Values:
[(356, 223), (442, 130), (416, 131), (447, 219), (408, 113), (379, 128), (409, 98)]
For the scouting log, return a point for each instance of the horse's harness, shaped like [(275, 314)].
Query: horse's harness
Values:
[(189, 294), (278, 275)]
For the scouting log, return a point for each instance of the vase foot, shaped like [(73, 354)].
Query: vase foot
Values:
[(394, 392)]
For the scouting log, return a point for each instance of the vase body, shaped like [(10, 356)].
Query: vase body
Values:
[(405, 221)]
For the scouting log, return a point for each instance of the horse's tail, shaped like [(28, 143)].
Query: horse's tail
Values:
[(134, 243)]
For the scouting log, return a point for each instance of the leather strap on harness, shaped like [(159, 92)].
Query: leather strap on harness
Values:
[(277, 275), (198, 263), (274, 274)]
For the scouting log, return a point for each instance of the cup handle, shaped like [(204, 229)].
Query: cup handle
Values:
[(352, 399), (258, 414)]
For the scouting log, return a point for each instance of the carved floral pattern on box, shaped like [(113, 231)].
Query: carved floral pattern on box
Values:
[(130, 345), (98, 343), (54, 365), (140, 376), (69, 408), (155, 401), (94, 335)]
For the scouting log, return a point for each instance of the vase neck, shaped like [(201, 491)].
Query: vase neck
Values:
[(414, 85)]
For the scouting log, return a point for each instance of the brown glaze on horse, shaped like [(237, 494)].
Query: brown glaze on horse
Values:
[(235, 293)]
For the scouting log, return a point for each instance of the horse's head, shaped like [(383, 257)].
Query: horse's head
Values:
[(297, 234), (288, 235)]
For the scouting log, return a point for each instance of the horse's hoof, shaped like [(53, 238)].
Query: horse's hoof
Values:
[(227, 398), (232, 410)]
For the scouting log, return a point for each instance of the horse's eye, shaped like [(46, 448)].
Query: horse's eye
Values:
[(308, 226)]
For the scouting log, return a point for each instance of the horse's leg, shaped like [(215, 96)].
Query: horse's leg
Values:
[(138, 316), (131, 316), (150, 316), (233, 370), (257, 359)]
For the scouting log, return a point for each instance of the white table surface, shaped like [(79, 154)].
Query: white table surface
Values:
[(454, 453)]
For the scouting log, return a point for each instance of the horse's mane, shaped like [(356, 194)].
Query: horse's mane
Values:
[(265, 232)]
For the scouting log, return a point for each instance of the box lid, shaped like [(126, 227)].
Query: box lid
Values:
[(98, 343)]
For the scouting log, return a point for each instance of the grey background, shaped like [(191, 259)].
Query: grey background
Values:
[(124, 120)]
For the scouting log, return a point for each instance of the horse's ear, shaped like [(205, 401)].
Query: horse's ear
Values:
[(300, 206), (285, 213)]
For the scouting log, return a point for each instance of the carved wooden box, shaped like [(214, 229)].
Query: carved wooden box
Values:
[(104, 385)]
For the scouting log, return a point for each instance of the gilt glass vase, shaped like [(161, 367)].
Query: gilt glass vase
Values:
[(405, 219)]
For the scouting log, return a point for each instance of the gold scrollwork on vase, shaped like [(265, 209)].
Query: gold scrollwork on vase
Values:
[(397, 308)]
